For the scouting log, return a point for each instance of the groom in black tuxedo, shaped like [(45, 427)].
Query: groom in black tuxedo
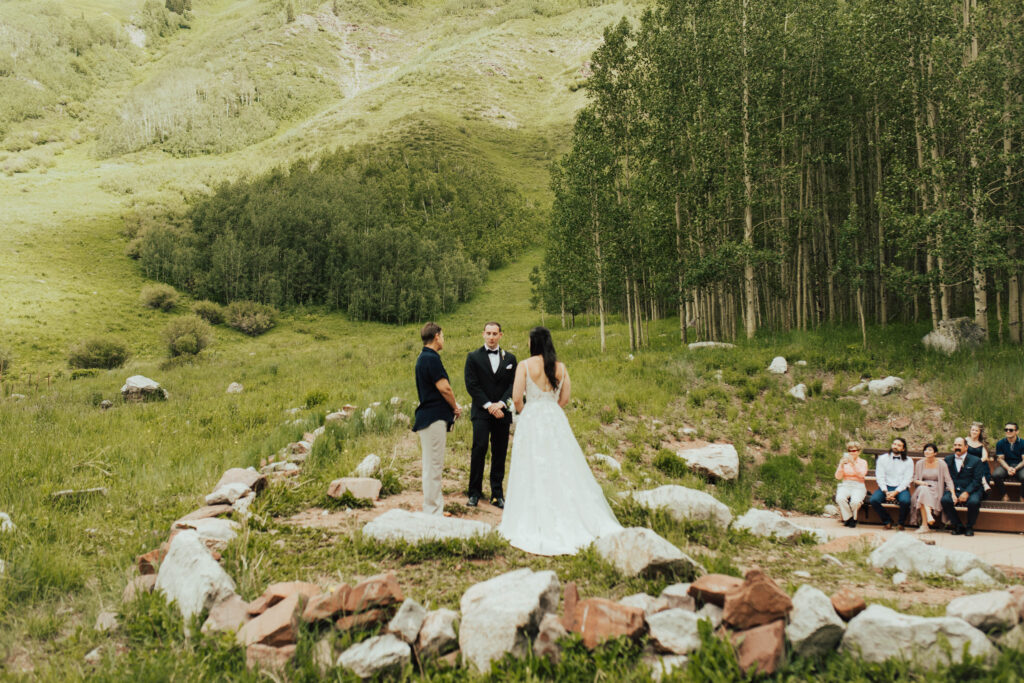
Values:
[(490, 373)]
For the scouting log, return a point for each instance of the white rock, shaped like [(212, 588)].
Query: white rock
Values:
[(801, 574), (214, 532), (799, 392), (899, 578), (136, 36), (190, 576), (905, 553), (676, 595), (502, 614), (992, 611), (879, 633), (640, 551), (235, 388), (94, 656), (718, 459), (675, 630), (279, 466), (688, 431), (414, 527), (137, 387), (955, 334), (369, 466), (801, 363), (368, 413), (814, 628), (712, 613), (830, 510), (710, 345), (376, 655), (607, 460), (641, 601), (863, 401), (857, 388), (6, 525), (881, 387), (227, 494), (106, 621), (978, 578), (407, 620), (395, 400), (323, 656), (772, 524), (437, 634), (778, 366), (241, 506), (663, 665), (685, 504)]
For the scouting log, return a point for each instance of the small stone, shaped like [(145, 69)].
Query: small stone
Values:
[(899, 578), (688, 431), (374, 656), (276, 626), (899, 423), (991, 611), (833, 560), (848, 603), (227, 494), (408, 620), (640, 601), (778, 366), (607, 460), (190, 576), (369, 466), (977, 578), (675, 630), (205, 512), (94, 656), (711, 612), (882, 387), (6, 525), (713, 588), (801, 363), (248, 476), (138, 388), (759, 600), (663, 665), (268, 658), (761, 648), (437, 634), (814, 627), (597, 620), (234, 388), (799, 392), (830, 510), (801, 574), (230, 614), (675, 596), (359, 487), (106, 621)]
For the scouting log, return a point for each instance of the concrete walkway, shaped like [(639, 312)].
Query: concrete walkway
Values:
[(992, 547)]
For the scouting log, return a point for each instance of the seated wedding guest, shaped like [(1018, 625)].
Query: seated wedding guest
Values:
[(1009, 453), (851, 492), (931, 477), (965, 471), (977, 445), (893, 473)]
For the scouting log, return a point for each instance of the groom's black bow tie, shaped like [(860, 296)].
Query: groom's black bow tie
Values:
[(494, 351)]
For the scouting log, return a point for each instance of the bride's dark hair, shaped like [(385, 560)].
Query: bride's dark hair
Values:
[(541, 344)]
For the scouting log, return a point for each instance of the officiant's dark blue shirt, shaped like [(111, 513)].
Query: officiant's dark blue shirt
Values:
[(1013, 453), (432, 407)]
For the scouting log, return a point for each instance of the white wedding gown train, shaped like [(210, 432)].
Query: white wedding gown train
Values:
[(553, 504)]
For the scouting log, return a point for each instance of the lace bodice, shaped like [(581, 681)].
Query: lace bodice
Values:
[(535, 393)]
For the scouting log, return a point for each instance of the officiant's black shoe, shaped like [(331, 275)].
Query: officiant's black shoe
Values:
[(498, 502), (473, 500)]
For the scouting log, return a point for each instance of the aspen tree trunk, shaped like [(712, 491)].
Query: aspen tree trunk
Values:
[(748, 193), (629, 317), (883, 309), (1013, 298), (860, 314), (600, 282), (679, 275), (978, 272), (931, 113)]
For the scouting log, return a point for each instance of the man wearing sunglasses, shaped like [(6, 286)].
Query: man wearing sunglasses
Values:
[(1009, 454)]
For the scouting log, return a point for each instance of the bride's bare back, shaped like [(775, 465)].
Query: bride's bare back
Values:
[(534, 368)]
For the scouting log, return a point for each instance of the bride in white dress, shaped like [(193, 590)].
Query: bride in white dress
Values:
[(553, 506)]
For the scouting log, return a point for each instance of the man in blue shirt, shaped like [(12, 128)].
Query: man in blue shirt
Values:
[(434, 415), (1009, 454)]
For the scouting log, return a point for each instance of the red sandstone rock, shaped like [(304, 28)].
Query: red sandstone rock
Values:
[(326, 605), (757, 601), (761, 647), (848, 603), (597, 619), (278, 625), (205, 512), (377, 591), (374, 616), (276, 592), (1018, 598), (713, 587), (268, 658), (254, 480), (570, 600)]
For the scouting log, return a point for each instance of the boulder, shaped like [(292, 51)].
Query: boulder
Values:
[(607, 460), (359, 487), (859, 387), (799, 392), (326, 605), (369, 466), (502, 614), (991, 611), (712, 588), (137, 586), (215, 532), (138, 388), (415, 527), (955, 334), (375, 656), (638, 551), (597, 620), (675, 631), (227, 494), (848, 603), (710, 345), (905, 553), (772, 524), (880, 633), (276, 592), (248, 476), (191, 577), (718, 460), (778, 366), (407, 621), (230, 614), (675, 596), (235, 388), (640, 601), (882, 387), (977, 578), (437, 634), (814, 627), (204, 512), (268, 658), (6, 525), (761, 648), (549, 633), (685, 504), (278, 625), (758, 601), (381, 590)]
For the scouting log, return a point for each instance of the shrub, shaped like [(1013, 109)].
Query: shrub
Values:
[(250, 317), (84, 372), (390, 484), (670, 463), (209, 311), (316, 397), (187, 335), (161, 297), (98, 352)]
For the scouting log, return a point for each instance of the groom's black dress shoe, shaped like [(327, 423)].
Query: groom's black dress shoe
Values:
[(473, 500), (498, 502)]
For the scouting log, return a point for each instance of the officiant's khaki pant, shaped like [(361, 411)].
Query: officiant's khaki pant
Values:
[(433, 440)]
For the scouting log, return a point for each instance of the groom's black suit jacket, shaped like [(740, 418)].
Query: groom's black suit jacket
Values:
[(486, 386)]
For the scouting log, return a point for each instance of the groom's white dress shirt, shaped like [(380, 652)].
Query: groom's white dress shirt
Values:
[(495, 359)]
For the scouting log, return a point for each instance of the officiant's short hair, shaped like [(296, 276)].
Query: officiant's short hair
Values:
[(493, 322), (429, 331)]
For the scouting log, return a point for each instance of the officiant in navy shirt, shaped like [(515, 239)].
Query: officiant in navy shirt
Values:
[(490, 373)]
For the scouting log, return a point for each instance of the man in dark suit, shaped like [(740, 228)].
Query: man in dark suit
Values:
[(966, 471), (490, 373)]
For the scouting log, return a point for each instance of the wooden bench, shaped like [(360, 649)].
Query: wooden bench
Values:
[(995, 515)]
